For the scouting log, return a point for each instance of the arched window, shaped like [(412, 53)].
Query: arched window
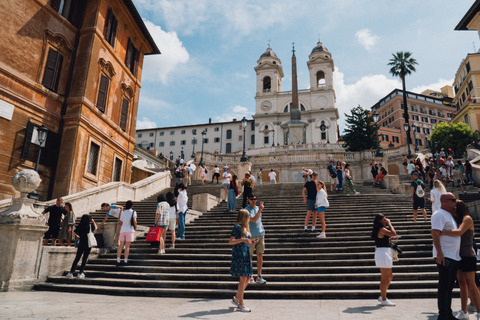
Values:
[(320, 79), (229, 134), (267, 84), (289, 108), (228, 148)]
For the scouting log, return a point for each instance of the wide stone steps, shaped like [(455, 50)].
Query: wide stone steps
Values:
[(297, 265)]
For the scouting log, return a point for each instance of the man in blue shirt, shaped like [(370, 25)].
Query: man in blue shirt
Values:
[(258, 232)]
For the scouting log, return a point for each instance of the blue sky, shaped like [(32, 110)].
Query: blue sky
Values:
[(210, 47)]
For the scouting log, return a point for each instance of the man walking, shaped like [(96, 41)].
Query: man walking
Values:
[(446, 251), (273, 176), (417, 191), (332, 173), (309, 194), (258, 232), (227, 177)]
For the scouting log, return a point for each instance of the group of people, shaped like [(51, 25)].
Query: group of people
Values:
[(61, 221), (183, 173), (340, 177)]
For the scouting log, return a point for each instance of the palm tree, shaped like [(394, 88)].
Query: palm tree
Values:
[(403, 64)]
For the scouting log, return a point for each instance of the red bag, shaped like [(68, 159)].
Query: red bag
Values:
[(154, 234)]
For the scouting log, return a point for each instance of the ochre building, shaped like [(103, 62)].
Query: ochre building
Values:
[(73, 66)]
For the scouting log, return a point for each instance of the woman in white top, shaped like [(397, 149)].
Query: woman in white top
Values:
[(437, 191), (321, 203), (172, 217), (127, 231), (203, 173)]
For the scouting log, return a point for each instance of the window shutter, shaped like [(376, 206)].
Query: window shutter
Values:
[(53, 66), (129, 53), (124, 115), (55, 4), (135, 63), (113, 31), (108, 25), (102, 93), (75, 13), (28, 140)]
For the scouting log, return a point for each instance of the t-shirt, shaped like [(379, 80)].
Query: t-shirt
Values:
[(216, 170), (126, 218), (256, 228), (226, 177), (414, 184), (311, 190), (443, 220), (113, 212), (272, 175), (331, 169), (172, 212), (55, 217), (410, 168)]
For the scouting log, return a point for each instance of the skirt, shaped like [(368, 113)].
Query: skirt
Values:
[(384, 257)]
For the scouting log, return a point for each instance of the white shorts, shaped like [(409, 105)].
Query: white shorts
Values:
[(171, 223), (384, 257)]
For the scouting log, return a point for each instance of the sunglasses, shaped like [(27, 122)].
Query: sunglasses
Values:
[(452, 199), (253, 199)]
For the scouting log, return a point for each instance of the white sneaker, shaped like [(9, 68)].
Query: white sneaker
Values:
[(243, 308), (235, 301), (322, 235), (81, 275), (357, 193), (380, 299), (462, 315), (69, 275), (388, 303)]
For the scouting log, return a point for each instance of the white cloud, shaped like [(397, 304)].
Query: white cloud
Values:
[(242, 75), (366, 38), (433, 86), (157, 67), (146, 123), (236, 112)]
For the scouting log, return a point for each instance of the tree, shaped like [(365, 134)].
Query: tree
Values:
[(455, 136), (360, 133), (402, 65)]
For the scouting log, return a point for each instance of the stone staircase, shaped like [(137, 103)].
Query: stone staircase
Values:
[(297, 265)]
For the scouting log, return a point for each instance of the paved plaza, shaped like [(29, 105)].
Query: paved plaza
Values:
[(56, 305)]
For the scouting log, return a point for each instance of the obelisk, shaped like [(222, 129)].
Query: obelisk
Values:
[(294, 111)]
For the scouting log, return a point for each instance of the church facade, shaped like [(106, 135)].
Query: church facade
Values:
[(273, 107)]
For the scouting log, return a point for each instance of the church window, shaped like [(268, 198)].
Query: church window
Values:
[(289, 108), (265, 140), (267, 84), (320, 79)]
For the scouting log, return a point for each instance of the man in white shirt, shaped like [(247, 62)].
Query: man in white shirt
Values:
[(226, 181), (272, 175), (182, 203), (446, 251)]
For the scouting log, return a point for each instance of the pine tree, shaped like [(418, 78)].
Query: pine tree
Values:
[(360, 133)]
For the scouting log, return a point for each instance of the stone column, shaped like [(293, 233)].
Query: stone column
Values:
[(21, 234), (242, 168)]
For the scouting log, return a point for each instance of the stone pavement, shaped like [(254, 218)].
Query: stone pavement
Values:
[(57, 305)]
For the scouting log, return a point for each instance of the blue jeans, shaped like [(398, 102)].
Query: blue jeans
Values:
[(181, 224), (340, 179), (446, 279)]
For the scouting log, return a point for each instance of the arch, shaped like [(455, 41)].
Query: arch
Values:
[(267, 84), (320, 79)]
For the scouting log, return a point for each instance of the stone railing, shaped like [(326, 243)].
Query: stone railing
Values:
[(91, 199)]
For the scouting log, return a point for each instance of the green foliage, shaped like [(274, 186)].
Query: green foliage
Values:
[(402, 64), (360, 133), (455, 136)]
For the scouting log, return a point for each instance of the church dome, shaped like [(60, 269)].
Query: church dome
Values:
[(269, 54), (319, 48)]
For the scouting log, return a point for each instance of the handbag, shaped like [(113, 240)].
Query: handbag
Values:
[(395, 250), (92, 242), (153, 234)]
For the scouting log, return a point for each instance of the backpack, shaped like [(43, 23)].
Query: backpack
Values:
[(419, 191)]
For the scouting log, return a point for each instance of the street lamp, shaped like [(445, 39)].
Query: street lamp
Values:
[(244, 125), (204, 133), (171, 155), (375, 119), (406, 126), (414, 129), (41, 138), (273, 140), (328, 136), (194, 143)]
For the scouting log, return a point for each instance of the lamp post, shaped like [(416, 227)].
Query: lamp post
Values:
[(328, 136), (414, 128), (204, 133), (244, 126), (41, 138), (194, 143), (406, 126), (171, 155), (375, 119), (273, 140)]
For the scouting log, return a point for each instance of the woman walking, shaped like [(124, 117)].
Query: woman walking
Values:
[(232, 194), (172, 216), (339, 170), (437, 191), (247, 188), (86, 225), (349, 188), (203, 173), (321, 203), (67, 226), (383, 254), (128, 224), (162, 220), (468, 263), (241, 261)]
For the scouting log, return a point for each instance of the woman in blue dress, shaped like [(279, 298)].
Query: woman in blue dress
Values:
[(232, 194), (241, 261)]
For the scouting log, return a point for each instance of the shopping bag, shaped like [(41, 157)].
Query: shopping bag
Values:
[(154, 234)]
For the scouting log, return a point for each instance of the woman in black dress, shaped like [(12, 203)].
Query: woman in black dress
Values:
[(86, 225)]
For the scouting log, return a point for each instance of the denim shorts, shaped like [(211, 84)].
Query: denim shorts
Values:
[(310, 205)]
